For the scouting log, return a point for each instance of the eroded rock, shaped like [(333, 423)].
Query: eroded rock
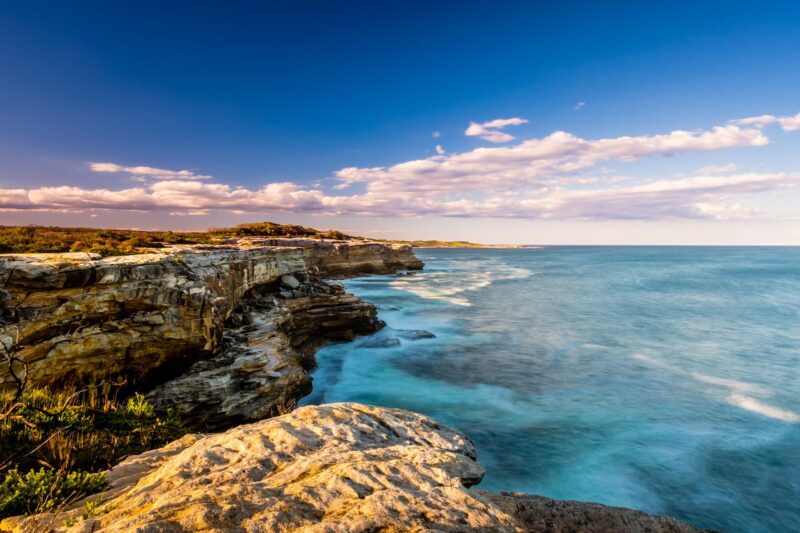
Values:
[(544, 515), (80, 318), (333, 468), (261, 369)]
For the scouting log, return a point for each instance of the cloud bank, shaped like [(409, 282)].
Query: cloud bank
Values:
[(560, 176)]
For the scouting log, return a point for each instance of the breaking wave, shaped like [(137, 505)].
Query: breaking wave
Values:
[(453, 285)]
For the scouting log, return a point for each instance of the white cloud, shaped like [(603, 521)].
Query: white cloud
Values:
[(695, 197), (503, 122), (560, 176), (579, 106), (142, 172), (788, 123), (533, 162), (436, 134), (717, 169), (490, 130)]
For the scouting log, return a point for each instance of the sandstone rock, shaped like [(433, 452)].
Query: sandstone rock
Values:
[(332, 468), (80, 318), (543, 515), (342, 260), (263, 370)]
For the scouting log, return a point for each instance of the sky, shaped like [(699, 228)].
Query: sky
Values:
[(495, 122)]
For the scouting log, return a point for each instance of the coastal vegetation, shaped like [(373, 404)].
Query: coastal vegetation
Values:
[(51, 239), (107, 242), (54, 444)]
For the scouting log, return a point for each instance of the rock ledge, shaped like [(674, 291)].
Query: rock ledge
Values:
[(333, 468)]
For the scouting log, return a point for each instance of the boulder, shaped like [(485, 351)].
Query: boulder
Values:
[(290, 281), (380, 342), (414, 334)]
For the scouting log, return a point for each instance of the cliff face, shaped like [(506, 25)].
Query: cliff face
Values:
[(268, 346), (79, 318), (336, 467)]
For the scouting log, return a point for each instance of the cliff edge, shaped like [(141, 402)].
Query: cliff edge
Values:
[(160, 319), (227, 334)]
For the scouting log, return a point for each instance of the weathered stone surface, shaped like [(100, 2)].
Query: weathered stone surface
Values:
[(80, 318), (333, 468), (375, 258), (262, 368), (543, 515)]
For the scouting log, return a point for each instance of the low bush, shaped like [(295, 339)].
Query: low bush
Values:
[(52, 444), (45, 489)]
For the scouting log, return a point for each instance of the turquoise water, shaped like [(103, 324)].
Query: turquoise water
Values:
[(660, 378)]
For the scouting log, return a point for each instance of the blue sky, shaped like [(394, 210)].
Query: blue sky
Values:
[(102, 104)]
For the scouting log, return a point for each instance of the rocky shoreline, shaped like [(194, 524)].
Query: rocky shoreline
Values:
[(227, 334), (78, 318), (338, 468)]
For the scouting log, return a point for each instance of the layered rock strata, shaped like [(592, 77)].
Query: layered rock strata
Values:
[(77, 318), (333, 468), (267, 349)]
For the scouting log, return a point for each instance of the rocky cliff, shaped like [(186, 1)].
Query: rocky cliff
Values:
[(333, 468), (77, 318), (227, 334)]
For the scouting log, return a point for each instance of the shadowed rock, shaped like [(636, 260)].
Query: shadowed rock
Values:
[(543, 515), (380, 342), (414, 334)]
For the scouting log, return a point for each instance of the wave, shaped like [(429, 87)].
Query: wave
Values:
[(735, 387), (733, 384), (751, 404), (450, 285)]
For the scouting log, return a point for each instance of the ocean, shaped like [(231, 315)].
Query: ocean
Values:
[(665, 379)]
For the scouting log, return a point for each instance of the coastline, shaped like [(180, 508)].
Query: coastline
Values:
[(303, 312)]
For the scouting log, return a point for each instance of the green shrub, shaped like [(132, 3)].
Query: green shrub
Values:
[(74, 435), (45, 489), (138, 407)]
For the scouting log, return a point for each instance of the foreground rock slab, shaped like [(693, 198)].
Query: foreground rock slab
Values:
[(331, 468)]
